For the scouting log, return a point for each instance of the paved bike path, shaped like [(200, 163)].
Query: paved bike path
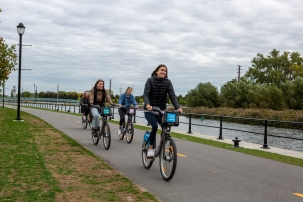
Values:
[(204, 173)]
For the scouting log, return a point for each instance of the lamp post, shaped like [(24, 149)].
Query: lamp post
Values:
[(20, 30)]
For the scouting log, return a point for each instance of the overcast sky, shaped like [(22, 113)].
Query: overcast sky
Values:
[(74, 43)]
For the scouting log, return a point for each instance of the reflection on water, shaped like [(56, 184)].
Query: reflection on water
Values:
[(296, 145)]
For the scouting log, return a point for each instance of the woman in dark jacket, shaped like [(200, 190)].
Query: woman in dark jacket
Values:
[(85, 104), (157, 87)]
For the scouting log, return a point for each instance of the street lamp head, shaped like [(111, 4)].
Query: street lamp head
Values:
[(20, 29)]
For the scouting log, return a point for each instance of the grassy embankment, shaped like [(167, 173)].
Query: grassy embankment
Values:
[(40, 163)]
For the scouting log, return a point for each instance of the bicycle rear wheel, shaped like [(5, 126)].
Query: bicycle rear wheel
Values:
[(147, 162), (129, 132), (106, 136), (84, 122), (90, 124), (95, 137), (168, 158)]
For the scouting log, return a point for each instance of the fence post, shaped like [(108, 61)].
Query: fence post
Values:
[(189, 125), (265, 146), (220, 133)]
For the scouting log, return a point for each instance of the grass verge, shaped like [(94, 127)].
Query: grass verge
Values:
[(40, 163)]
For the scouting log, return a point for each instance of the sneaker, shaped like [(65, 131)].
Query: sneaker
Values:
[(119, 131), (150, 153)]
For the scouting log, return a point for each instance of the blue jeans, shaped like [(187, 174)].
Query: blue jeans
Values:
[(96, 117), (151, 118)]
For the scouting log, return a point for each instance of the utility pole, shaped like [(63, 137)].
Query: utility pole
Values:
[(239, 72), (34, 91), (110, 86)]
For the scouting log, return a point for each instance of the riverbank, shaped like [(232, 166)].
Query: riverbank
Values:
[(268, 114)]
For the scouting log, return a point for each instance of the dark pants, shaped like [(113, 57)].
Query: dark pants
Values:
[(152, 119), (85, 110), (122, 113)]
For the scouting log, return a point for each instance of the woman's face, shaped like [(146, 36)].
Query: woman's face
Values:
[(161, 73), (129, 91), (86, 94), (100, 85)]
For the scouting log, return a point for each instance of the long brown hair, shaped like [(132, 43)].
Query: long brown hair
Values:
[(157, 69), (98, 82), (87, 94)]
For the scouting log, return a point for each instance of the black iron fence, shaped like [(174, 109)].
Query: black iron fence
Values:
[(75, 107)]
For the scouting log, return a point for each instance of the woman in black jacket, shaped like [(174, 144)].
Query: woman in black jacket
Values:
[(157, 87), (85, 104)]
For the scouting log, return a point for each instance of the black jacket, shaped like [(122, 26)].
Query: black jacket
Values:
[(156, 91)]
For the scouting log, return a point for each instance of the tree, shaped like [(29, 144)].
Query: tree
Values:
[(275, 69), (293, 93), (243, 94), (26, 94), (205, 94), (8, 59)]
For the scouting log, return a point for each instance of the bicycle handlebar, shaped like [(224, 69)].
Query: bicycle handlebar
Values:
[(98, 106), (157, 109)]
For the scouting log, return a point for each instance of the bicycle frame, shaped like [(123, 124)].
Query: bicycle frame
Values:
[(165, 132)]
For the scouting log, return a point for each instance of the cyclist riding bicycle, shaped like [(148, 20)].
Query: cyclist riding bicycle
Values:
[(85, 110), (97, 97), (126, 99), (156, 89)]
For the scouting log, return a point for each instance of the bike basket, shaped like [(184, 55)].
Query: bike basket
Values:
[(131, 111), (171, 118), (106, 111)]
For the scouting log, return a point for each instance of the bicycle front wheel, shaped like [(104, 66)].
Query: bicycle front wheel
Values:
[(84, 122), (147, 162), (129, 132), (168, 158), (106, 136)]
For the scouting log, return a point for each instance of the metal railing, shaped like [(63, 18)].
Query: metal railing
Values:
[(71, 106)]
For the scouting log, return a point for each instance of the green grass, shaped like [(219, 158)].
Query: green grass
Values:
[(40, 163)]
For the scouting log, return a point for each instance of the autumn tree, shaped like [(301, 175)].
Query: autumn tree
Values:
[(276, 68)]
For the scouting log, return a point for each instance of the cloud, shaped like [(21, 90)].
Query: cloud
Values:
[(74, 43)]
